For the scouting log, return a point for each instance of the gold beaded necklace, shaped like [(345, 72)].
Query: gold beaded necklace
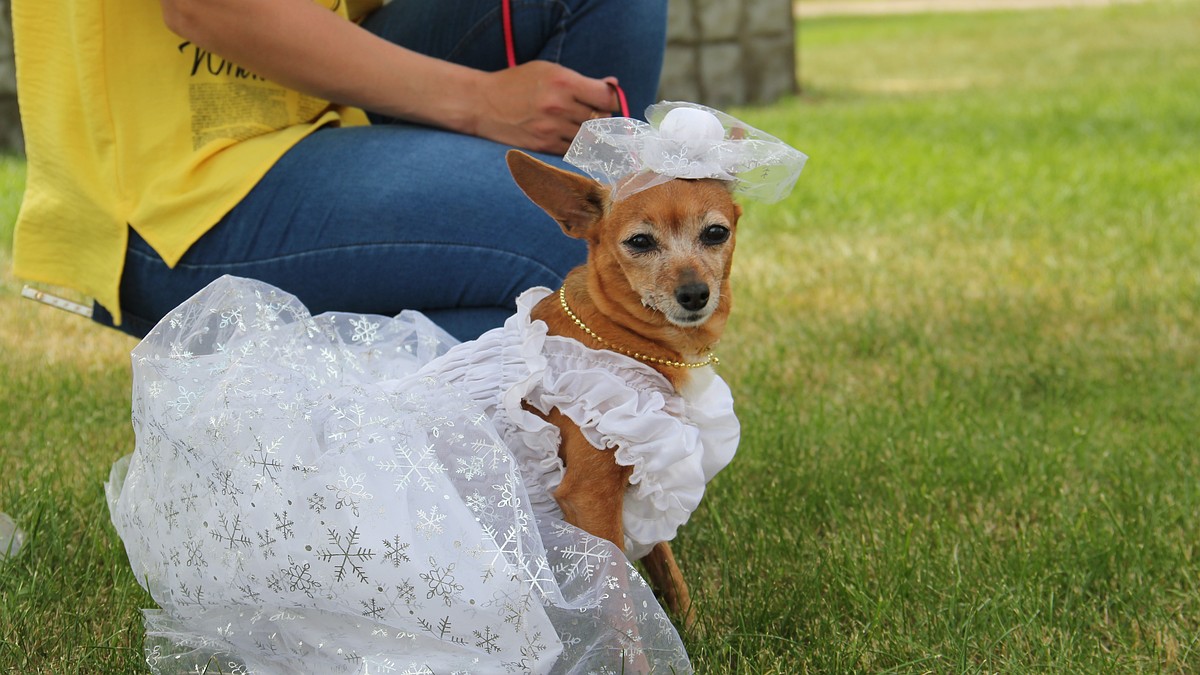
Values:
[(562, 300)]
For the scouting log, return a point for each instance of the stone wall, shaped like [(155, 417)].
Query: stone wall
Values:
[(11, 140), (729, 52)]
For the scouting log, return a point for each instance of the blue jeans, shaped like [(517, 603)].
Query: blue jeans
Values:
[(398, 216)]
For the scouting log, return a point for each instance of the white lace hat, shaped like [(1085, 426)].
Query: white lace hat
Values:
[(685, 140)]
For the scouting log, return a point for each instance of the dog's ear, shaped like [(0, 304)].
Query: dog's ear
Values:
[(575, 201)]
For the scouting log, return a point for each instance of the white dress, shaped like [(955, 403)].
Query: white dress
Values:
[(360, 494)]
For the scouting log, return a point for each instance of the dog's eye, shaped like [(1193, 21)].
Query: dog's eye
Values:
[(714, 234), (640, 243)]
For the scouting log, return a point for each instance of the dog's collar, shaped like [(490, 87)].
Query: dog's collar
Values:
[(562, 300)]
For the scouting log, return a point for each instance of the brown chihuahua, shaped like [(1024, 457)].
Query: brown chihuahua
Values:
[(655, 287)]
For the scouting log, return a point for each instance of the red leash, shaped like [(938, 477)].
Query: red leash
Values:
[(506, 9), (510, 51), (620, 99)]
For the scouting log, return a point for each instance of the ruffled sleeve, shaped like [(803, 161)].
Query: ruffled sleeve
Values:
[(675, 445)]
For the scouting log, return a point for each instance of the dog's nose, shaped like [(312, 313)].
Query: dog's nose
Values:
[(692, 297)]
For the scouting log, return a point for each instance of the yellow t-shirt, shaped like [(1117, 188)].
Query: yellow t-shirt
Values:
[(128, 125)]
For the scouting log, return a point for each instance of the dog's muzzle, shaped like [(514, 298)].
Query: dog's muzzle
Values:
[(692, 297)]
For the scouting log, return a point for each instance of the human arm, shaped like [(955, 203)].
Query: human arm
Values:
[(301, 45)]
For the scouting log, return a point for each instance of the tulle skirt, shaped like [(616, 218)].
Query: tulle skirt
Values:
[(305, 497)]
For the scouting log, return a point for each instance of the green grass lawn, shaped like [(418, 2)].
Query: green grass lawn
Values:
[(966, 355)]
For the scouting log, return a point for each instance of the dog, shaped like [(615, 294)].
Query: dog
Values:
[(656, 287)]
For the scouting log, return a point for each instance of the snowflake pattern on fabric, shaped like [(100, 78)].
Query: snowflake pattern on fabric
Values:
[(307, 496)]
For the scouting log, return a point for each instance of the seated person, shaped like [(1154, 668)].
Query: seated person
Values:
[(349, 152)]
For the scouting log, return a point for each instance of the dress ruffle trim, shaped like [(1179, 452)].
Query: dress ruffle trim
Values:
[(674, 445)]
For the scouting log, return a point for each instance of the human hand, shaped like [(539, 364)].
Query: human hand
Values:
[(540, 105)]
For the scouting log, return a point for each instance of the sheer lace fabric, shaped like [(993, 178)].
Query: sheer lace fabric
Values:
[(359, 494), (631, 155)]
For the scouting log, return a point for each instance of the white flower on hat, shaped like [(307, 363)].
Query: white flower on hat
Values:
[(685, 140)]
